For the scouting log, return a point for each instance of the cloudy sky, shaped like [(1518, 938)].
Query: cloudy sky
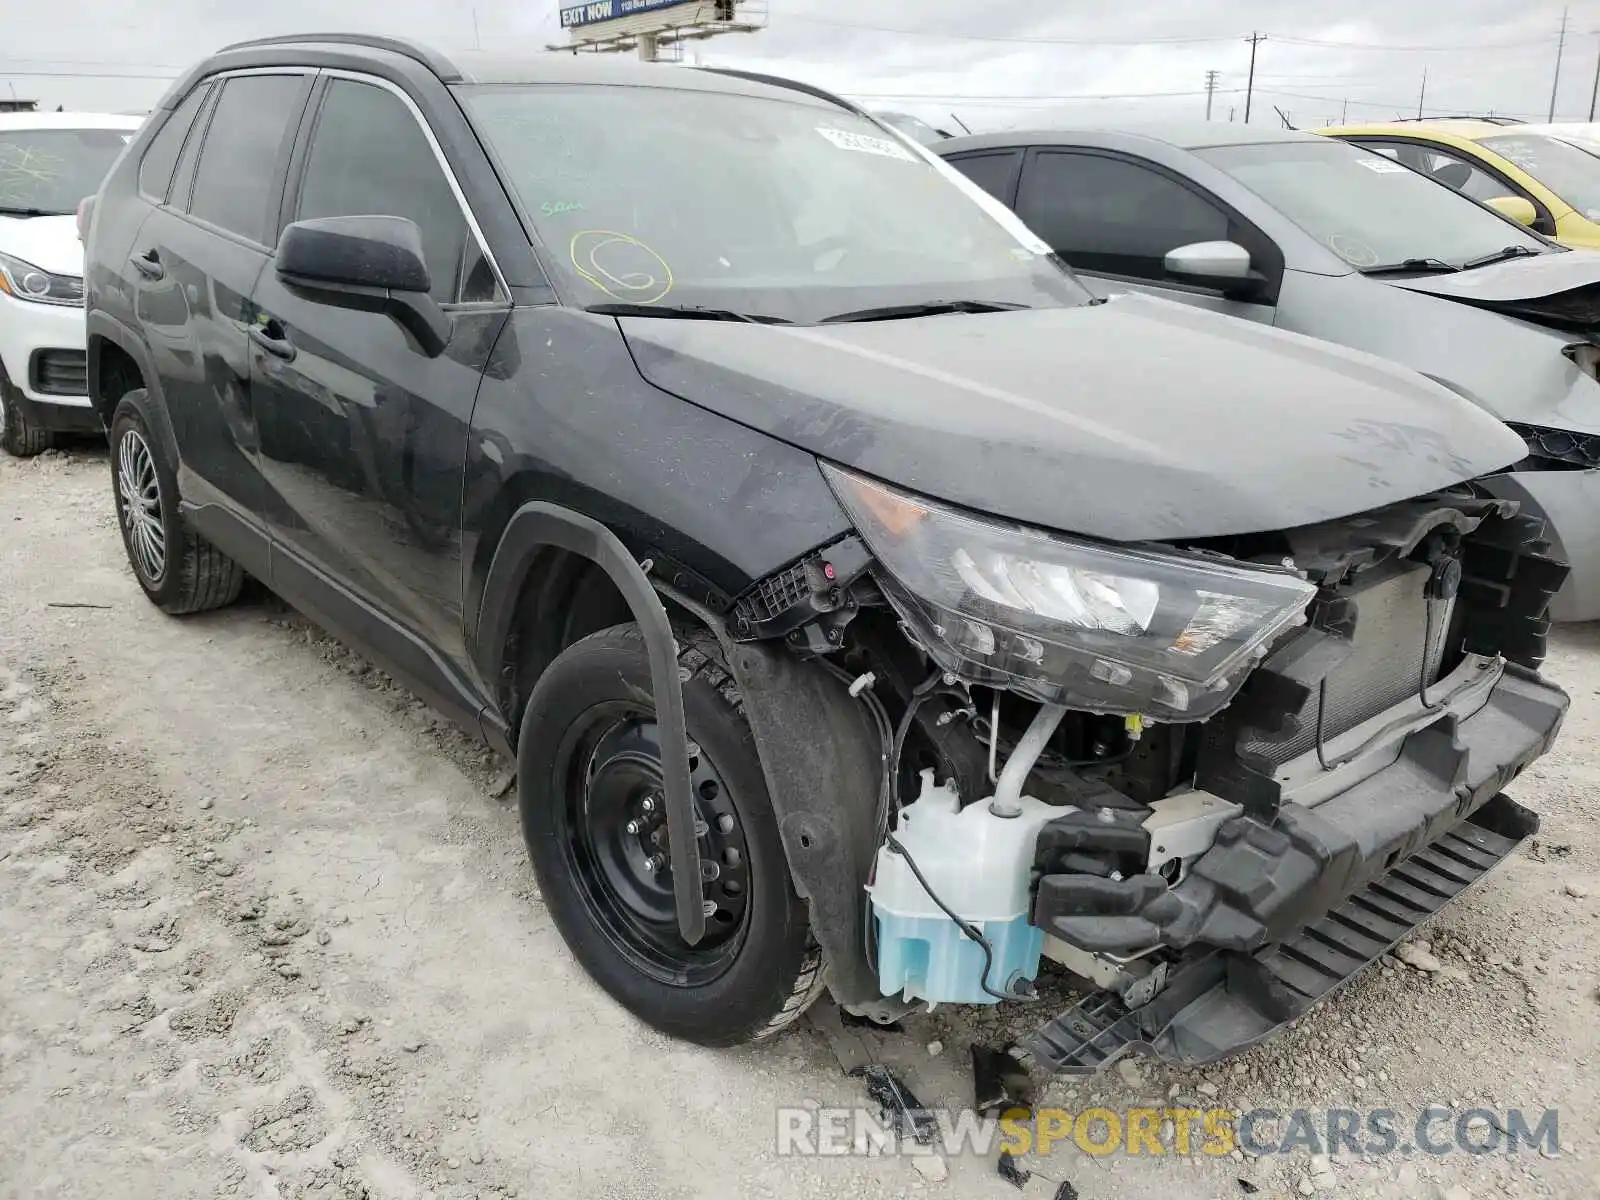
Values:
[(994, 64)]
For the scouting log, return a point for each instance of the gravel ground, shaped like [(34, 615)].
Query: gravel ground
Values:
[(267, 931)]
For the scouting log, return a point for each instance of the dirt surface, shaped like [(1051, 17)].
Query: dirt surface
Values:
[(267, 932)]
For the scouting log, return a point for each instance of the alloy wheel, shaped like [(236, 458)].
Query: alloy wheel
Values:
[(139, 498)]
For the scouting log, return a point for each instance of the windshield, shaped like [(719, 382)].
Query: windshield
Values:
[(1368, 209), (50, 170), (1569, 172), (790, 210)]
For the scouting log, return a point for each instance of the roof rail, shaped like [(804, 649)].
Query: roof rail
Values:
[(1492, 120), (432, 59), (793, 85)]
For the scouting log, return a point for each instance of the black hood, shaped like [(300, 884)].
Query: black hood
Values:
[(1559, 289), (1133, 420)]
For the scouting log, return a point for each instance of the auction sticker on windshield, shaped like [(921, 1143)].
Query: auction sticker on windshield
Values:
[(866, 144), (1383, 166)]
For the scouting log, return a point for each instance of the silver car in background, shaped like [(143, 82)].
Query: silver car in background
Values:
[(1328, 239)]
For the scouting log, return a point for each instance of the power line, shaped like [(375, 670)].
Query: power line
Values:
[(1459, 48), (1395, 106), (89, 62), (989, 37), (6, 71), (1023, 100), (1555, 83), (1149, 41), (1249, 88)]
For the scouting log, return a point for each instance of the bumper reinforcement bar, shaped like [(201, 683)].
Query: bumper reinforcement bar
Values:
[(1221, 1002)]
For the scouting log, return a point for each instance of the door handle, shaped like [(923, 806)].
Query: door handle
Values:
[(149, 265), (279, 347)]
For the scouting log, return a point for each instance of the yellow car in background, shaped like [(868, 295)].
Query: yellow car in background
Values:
[(1545, 182)]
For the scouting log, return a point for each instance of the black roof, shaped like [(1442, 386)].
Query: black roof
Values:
[(473, 66)]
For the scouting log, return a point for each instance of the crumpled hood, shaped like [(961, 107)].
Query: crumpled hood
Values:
[(50, 243), (1515, 279), (1137, 419)]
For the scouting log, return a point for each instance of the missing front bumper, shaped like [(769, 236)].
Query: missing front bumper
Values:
[(1221, 1002), (1276, 916)]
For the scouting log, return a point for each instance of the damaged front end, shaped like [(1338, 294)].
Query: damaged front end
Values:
[(1216, 779)]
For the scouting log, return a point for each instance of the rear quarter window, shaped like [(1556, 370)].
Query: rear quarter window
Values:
[(161, 155)]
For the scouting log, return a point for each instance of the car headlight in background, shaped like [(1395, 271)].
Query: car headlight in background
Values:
[(1167, 635), (28, 282)]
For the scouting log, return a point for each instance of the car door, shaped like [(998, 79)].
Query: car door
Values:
[(361, 433), (194, 265), (1115, 218)]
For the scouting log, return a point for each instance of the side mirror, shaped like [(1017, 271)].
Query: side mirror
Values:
[(370, 264), (1519, 208), (1221, 265)]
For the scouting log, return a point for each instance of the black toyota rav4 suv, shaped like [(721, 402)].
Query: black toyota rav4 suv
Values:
[(865, 605)]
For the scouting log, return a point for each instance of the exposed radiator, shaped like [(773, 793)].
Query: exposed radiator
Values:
[(1386, 662)]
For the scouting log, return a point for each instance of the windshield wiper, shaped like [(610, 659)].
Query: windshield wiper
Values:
[(1415, 265), (9, 211), (683, 313), (896, 312), (1499, 255)]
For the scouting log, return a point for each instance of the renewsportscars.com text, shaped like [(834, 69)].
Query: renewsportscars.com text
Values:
[(1433, 1131)]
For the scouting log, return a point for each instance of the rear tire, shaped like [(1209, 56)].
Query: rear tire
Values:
[(19, 437), (179, 570), (588, 772)]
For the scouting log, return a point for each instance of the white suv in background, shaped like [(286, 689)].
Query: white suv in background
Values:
[(48, 163)]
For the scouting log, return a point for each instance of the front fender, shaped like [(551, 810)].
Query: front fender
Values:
[(539, 524)]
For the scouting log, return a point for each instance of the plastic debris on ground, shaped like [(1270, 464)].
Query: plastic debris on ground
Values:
[(902, 1111), (999, 1081), (1011, 1172)]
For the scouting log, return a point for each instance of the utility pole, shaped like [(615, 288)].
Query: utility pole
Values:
[(1594, 92), (1561, 44), (1423, 94), (1344, 116), (1250, 87), (1211, 90)]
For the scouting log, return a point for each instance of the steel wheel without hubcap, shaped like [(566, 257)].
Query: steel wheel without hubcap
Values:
[(139, 498), (615, 841)]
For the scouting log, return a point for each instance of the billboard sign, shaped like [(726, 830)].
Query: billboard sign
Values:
[(594, 12)]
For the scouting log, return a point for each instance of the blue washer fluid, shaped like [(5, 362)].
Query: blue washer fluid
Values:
[(977, 859)]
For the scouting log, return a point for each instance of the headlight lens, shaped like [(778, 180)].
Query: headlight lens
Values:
[(28, 282), (1162, 634)]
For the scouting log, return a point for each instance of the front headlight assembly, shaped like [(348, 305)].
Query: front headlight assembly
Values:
[(28, 282), (1162, 634)]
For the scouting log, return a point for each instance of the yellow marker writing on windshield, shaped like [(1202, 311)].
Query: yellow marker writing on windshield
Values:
[(604, 256)]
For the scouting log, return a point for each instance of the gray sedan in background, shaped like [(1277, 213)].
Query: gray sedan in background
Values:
[(1330, 240)]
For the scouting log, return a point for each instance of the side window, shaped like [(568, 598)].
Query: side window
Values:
[(233, 184), (1464, 176), (161, 155), (1110, 215), (1447, 168), (370, 157), (995, 173), (183, 177)]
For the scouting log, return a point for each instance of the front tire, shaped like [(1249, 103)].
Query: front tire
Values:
[(180, 571), (589, 776), (19, 437)]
